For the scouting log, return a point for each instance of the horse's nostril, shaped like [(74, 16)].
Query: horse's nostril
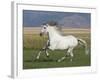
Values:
[(40, 34)]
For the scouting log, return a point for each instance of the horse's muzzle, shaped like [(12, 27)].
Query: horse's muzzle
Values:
[(41, 34)]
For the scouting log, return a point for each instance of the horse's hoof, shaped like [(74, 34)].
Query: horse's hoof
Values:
[(48, 56), (58, 60), (71, 60), (36, 59)]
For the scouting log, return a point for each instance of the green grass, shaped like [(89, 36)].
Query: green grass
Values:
[(80, 59), (32, 43)]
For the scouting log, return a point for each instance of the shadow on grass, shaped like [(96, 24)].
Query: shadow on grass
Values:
[(41, 60)]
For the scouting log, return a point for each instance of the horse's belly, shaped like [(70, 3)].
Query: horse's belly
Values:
[(60, 45), (54, 47)]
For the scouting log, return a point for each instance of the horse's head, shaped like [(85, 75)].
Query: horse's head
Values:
[(50, 26), (44, 29)]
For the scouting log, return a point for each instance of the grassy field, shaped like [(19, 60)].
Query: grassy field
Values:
[(33, 42)]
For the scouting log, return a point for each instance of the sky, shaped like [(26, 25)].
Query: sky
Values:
[(33, 18)]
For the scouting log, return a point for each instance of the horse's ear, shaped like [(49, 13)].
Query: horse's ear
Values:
[(52, 23), (47, 25), (44, 24)]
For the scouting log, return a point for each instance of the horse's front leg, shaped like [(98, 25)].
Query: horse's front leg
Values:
[(46, 48), (43, 49), (46, 52), (38, 56)]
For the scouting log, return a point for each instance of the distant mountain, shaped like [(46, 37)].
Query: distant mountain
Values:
[(67, 19), (75, 21)]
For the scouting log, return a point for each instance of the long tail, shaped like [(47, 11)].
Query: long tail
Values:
[(83, 42)]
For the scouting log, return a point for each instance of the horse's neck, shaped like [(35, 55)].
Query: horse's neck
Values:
[(53, 35)]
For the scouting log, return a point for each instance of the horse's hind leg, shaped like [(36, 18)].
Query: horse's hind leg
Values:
[(61, 59), (70, 52)]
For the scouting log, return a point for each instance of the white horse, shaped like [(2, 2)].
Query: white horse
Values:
[(57, 41)]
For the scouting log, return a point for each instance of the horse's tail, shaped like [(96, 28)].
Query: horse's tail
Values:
[(83, 42)]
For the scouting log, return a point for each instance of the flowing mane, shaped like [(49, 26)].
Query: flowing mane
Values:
[(55, 29)]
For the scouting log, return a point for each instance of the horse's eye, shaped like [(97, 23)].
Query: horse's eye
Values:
[(44, 27)]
